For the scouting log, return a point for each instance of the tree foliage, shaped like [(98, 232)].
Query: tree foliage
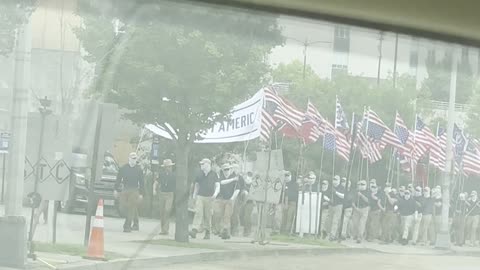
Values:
[(179, 64), (437, 84), (13, 13)]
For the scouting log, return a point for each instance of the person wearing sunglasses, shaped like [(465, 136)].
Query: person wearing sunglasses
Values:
[(406, 207), (360, 204)]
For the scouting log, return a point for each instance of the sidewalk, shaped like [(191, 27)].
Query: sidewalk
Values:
[(147, 247)]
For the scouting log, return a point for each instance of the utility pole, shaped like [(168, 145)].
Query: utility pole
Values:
[(395, 62), (443, 236), (380, 46), (305, 57), (14, 223)]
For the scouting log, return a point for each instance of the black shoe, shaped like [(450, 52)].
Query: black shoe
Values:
[(127, 230), (193, 233), (163, 233), (224, 235), (135, 227), (207, 235), (359, 241)]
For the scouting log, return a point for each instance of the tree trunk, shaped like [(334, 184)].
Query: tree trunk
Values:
[(181, 192)]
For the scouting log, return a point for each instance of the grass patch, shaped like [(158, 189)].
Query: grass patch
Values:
[(70, 249), (173, 243), (305, 241)]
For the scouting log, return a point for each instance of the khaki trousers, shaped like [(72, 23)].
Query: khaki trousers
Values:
[(223, 215), (129, 200), (416, 227), (203, 214), (459, 225), (426, 232), (247, 217), (347, 223), (407, 223), (334, 215), (373, 224), (165, 201), (472, 227), (389, 220), (359, 217)]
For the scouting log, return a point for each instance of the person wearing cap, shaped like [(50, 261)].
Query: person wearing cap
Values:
[(164, 187), (374, 214), (426, 229), (419, 201), (240, 201), (230, 187), (406, 208), (247, 210), (461, 208), (326, 201), (360, 204), (289, 200), (335, 210), (206, 189), (437, 210), (347, 204), (473, 217), (130, 177), (389, 218)]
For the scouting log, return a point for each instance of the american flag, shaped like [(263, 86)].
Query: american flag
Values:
[(437, 152), (459, 142), (406, 138), (369, 148), (268, 124), (329, 141), (471, 159), (404, 135), (285, 110), (340, 117), (341, 131), (424, 139), (380, 133), (315, 116)]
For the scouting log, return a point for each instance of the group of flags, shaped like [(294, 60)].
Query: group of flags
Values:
[(373, 136)]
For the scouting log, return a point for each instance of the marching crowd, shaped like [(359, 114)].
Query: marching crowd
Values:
[(407, 214)]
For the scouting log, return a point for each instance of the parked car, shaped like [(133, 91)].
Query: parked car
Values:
[(103, 188)]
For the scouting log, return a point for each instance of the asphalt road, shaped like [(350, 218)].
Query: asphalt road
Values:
[(337, 262)]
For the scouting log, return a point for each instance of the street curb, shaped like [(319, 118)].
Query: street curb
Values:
[(211, 256)]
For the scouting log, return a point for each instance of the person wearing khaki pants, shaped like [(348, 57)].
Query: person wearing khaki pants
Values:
[(165, 188), (407, 208), (361, 207), (289, 198), (206, 188), (427, 216), (230, 186), (374, 215), (473, 218), (461, 207), (130, 177), (335, 210)]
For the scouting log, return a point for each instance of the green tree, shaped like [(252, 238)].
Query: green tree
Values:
[(473, 114), (179, 64), (437, 84), (12, 14)]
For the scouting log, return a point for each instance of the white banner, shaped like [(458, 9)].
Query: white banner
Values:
[(243, 125)]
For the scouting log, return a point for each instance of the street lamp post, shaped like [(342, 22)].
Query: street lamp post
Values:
[(44, 112), (306, 44), (443, 236)]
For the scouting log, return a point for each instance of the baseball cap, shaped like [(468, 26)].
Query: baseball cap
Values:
[(133, 155), (205, 160), (226, 166)]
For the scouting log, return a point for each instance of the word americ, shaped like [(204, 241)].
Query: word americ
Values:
[(236, 123)]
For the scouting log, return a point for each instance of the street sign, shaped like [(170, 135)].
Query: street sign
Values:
[(4, 142)]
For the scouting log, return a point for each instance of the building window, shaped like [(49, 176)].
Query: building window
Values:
[(341, 39)]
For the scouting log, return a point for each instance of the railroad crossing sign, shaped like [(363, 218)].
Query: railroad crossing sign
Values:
[(60, 171)]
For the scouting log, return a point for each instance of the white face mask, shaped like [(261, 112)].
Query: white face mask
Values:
[(248, 180), (227, 173), (387, 189), (474, 198), (336, 182), (288, 179), (426, 194), (362, 188), (132, 162), (407, 197), (324, 187), (206, 168)]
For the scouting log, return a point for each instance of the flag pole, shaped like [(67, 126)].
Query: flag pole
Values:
[(317, 223), (350, 161), (367, 167), (412, 163)]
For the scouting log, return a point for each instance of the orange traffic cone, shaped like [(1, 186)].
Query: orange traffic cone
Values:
[(95, 245)]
